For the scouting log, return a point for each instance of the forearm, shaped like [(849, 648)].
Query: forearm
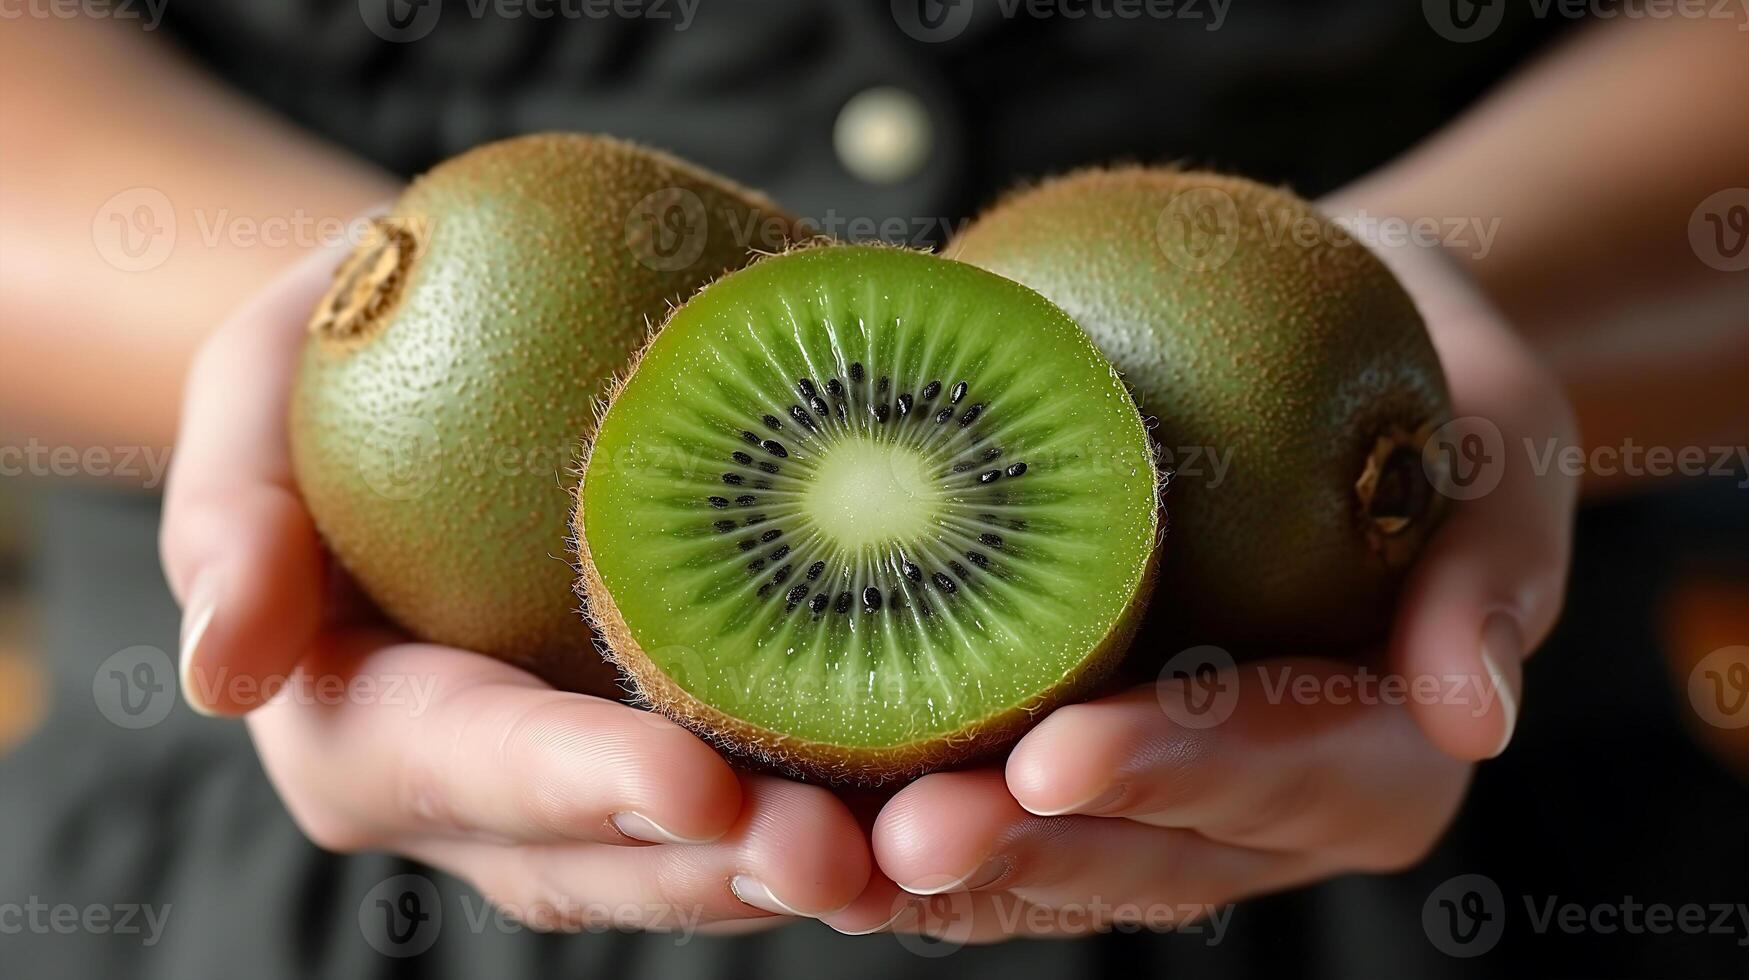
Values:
[(98, 329), (1585, 172)]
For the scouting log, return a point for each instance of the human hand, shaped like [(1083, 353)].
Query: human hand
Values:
[(547, 801), (1143, 808)]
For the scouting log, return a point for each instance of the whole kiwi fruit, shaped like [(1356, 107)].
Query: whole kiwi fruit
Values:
[(452, 371), (1293, 384), (861, 512)]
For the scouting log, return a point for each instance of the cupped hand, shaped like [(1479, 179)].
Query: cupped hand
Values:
[(561, 807), (1149, 808)]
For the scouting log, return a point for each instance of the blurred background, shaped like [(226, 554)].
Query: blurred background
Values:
[(160, 160)]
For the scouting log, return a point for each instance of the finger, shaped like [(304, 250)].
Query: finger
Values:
[(1488, 588), (240, 552), (880, 908), (794, 851), (962, 831), (425, 741), (1314, 756)]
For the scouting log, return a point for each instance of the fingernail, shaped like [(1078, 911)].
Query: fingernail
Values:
[(203, 604), (752, 891), (1503, 644), (1093, 806), (639, 827), (883, 927), (987, 874)]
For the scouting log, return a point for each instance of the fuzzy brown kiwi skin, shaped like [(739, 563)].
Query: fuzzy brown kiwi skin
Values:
[(492, 308), (821, 762), (1307, 362)]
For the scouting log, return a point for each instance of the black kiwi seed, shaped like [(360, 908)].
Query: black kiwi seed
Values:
[(746, 544), (944, 583), (780, 553), (719, 502), (957, 568), (930, 390), (772, 422), (746, 500), (756, 565), (880, 413), (819, 406), (806, 387), (964, 467), (834, 387), (883, 384), (771, 535), (768, 467), (856, 372), (795, 596), (815, 569), (913, 573), (775, 448), (750, 438), (978, 558), (903, 404), (724, 527), (780, 576), (991, 540), (800, 414), (733, 479), (871, 597), (1017, 469), (959, 391), (741, 457), (817, 604), (943, 415), (989, 476), (762, 484), (843, 603), (993, 452), (971, 415)]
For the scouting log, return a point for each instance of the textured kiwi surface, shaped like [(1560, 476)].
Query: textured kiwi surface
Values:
[(449, 375), (859, 512), (1291, 379)]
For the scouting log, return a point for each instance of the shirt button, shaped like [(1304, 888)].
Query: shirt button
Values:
[(883, 135)]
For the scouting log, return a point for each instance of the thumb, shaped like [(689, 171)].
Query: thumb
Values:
[(1489, 587), (240, 552)]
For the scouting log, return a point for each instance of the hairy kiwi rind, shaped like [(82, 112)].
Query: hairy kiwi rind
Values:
[(493, 304), (1090, 241), (761, 748)]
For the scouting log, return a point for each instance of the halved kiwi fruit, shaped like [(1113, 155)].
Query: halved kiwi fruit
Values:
[(449, 375), (860, 512)]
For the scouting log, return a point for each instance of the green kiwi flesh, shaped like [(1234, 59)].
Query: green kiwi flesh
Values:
[(860, 512), (450, 371), (1266, 341)]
